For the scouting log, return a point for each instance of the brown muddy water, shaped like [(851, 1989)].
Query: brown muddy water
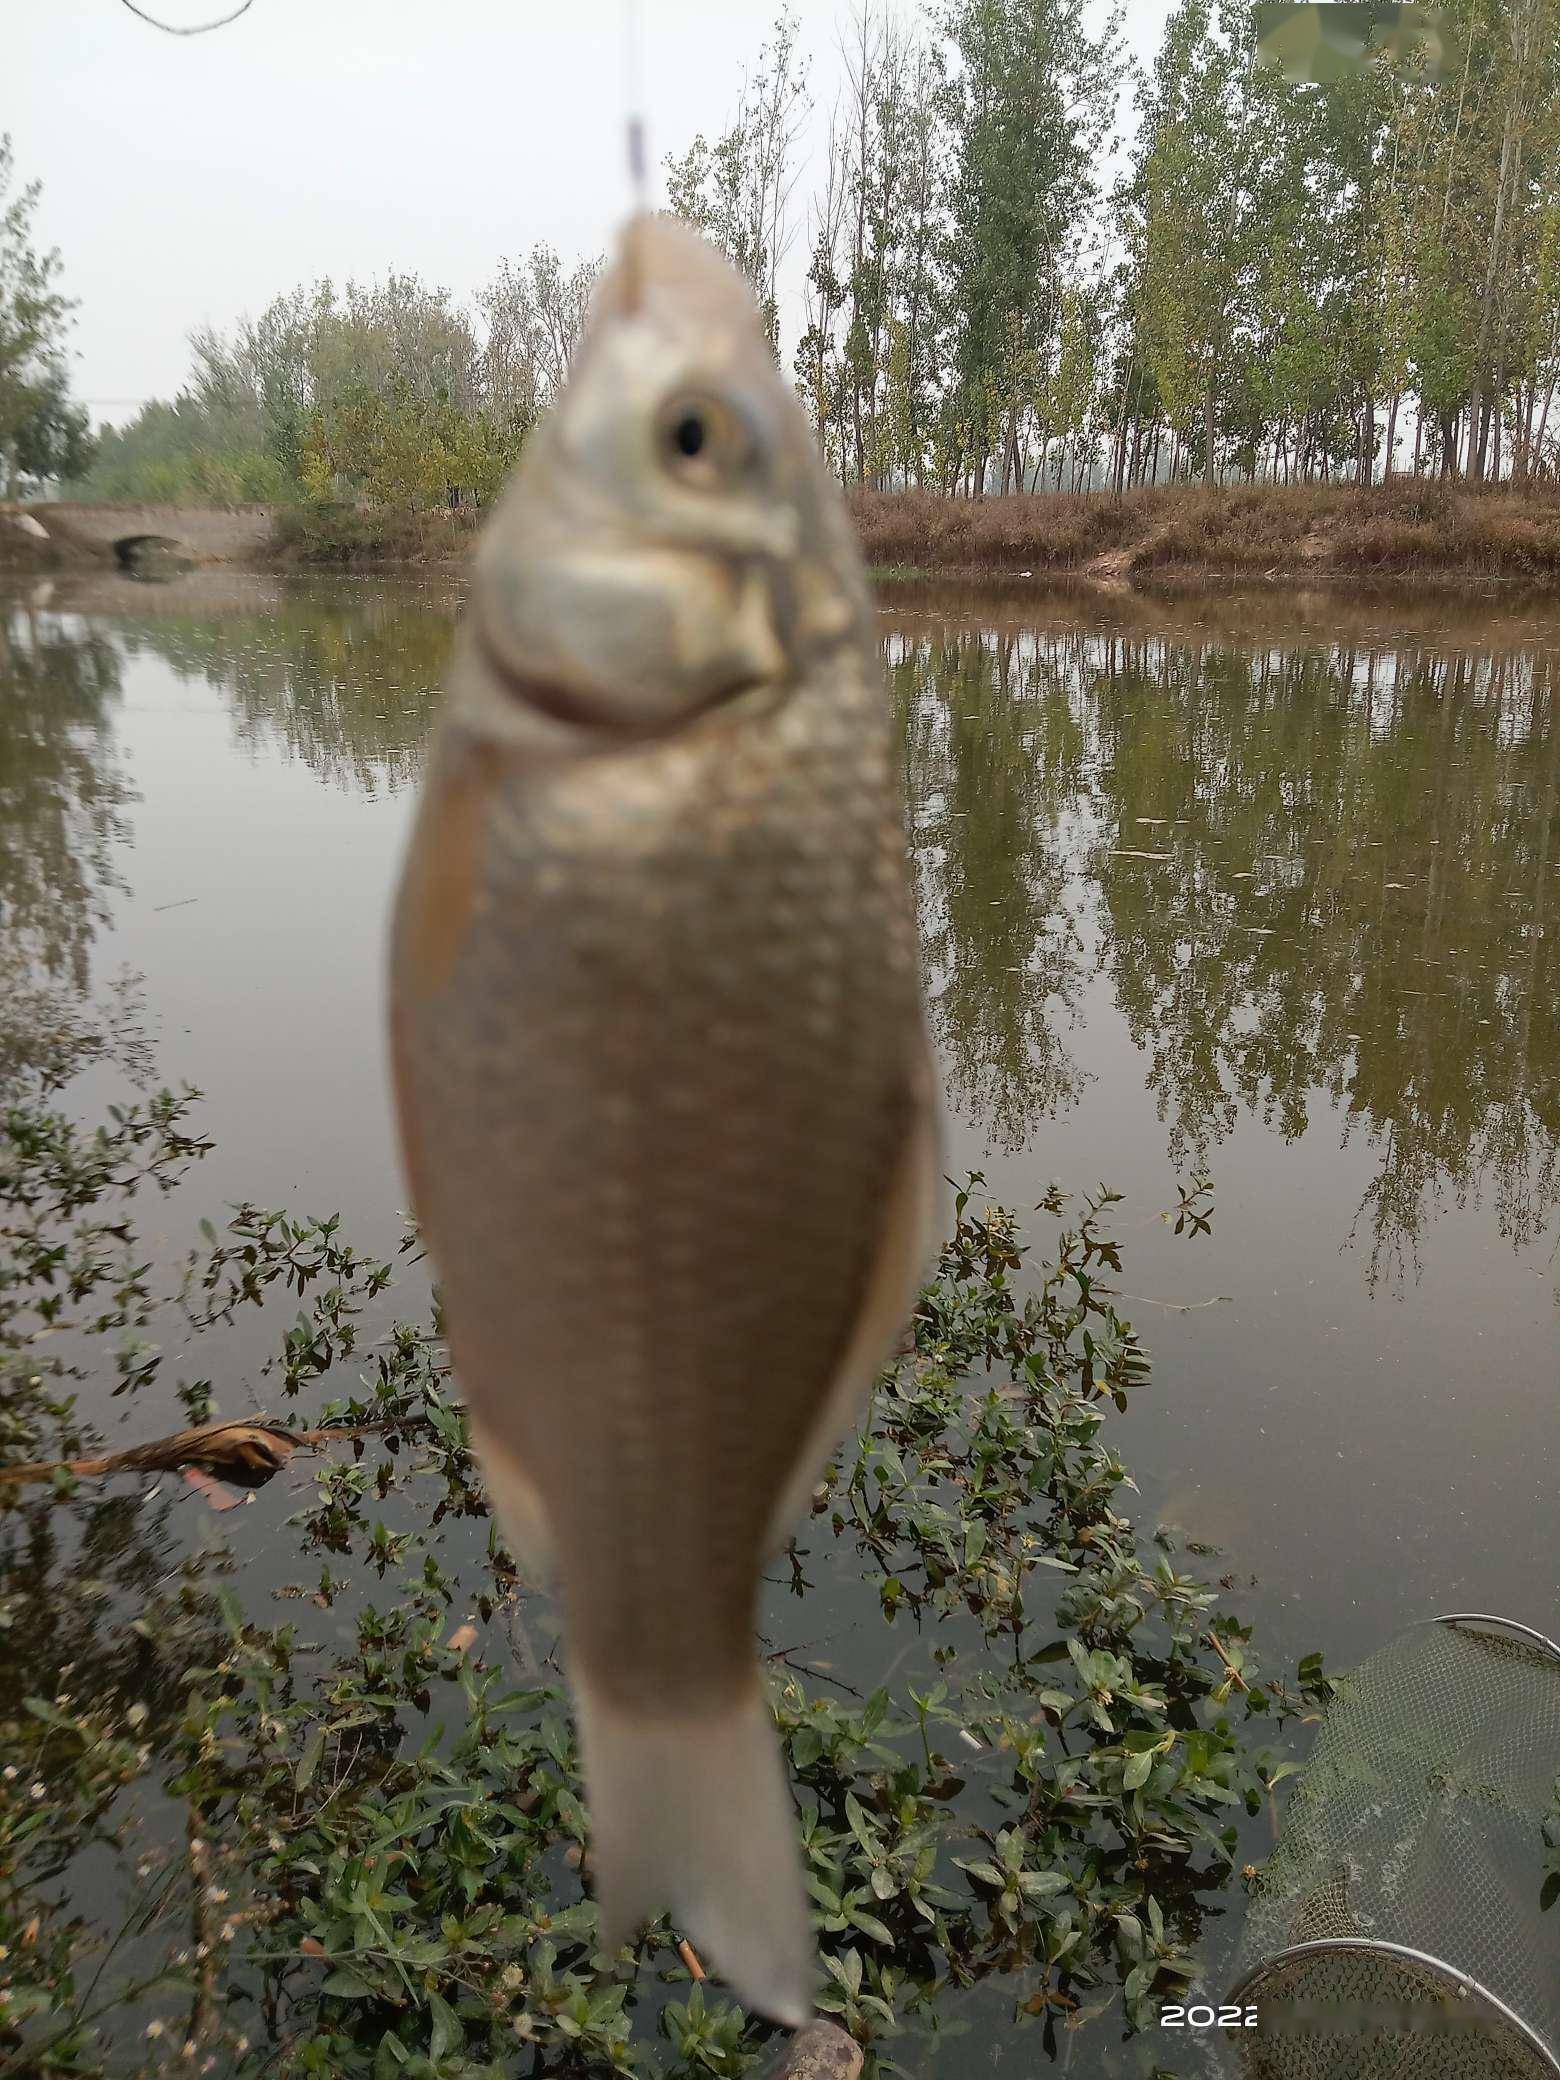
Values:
[(1257, 890)]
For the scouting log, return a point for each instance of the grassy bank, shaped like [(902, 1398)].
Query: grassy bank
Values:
[(342, 537)]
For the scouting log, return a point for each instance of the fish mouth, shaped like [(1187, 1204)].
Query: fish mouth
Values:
[(578, 711)]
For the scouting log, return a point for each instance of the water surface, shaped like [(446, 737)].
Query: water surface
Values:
[(1254, 897)]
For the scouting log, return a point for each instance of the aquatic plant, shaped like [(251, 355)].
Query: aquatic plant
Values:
[(351, 1840)]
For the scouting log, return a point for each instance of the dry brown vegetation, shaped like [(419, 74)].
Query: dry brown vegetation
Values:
[(1413, 526)]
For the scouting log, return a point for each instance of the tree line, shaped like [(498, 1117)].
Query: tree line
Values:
[(391, 393), (1278, 281), (1285, 281)]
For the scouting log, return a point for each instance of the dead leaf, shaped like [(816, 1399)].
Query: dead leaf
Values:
[(461, 1638)]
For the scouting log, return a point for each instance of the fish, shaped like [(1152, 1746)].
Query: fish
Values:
[(665, 1095)]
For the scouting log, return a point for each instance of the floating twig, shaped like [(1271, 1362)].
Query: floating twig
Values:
[(1234, 1673)]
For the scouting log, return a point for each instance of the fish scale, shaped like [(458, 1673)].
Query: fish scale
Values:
[(661, 1065), (651, 1303)]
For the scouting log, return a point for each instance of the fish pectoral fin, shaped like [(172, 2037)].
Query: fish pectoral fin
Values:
[(904, 1242), (690, 1813), (514, 1496)]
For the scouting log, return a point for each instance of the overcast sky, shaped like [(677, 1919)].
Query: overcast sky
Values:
[(189, 180)]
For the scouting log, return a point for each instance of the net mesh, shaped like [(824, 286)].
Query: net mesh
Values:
[(1418, 1822)]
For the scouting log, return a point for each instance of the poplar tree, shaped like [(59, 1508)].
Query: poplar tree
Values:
[(1029, 100)]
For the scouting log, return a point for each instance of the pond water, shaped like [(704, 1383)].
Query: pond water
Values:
[(1254, 899)]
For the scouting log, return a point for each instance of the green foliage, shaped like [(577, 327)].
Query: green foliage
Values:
[(1029, 105), (1300, 256), (378, 1861), (177, 454), (63, 1269), (385, 397), (1282, 263), (41, 433), (737, 190), (53, 441)]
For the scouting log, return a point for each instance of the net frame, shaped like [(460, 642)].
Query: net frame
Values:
[(1508, 2032)]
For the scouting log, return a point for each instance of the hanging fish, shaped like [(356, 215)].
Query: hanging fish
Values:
[(665, 1096)]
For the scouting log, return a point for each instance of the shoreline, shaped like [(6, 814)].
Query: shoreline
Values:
[(1413, 532)]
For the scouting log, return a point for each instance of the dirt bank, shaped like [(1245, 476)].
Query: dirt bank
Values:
[(1412, 529)]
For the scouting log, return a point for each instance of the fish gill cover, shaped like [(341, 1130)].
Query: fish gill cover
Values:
[(1329, 43)]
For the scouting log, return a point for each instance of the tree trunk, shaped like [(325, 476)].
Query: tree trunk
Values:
[(1119, 456), (1449, 443), (1543, 421), (1479, 434), (1509, 155), (1392, 418), (1208, 435)]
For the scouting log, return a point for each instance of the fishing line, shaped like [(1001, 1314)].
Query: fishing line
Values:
[(638, 168), (633, 94)]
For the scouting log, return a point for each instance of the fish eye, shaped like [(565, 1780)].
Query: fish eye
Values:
[(706, 441), (688, 435)]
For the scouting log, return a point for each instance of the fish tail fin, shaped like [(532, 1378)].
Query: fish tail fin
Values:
[(692, 1814)]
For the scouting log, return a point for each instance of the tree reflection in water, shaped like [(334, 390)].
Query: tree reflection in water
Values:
[(62, 793), (1347, 904), (1316, 875)]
